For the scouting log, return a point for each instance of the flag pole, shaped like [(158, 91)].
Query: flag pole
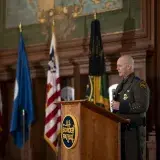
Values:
[(23, 116), (23, 112), (23, 132), (58, 154)]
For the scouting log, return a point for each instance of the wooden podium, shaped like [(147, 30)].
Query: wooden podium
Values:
[(98, 132)]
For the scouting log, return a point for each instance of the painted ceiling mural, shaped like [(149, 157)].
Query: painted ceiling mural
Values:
[(24, 11), (87, 7), (72, 18), (28, 11)]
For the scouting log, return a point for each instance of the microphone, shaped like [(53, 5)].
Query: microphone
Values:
[(114, 98), (114, 94)]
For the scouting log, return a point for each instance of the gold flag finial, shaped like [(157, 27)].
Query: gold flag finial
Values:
[(95, 15), (20, 27)]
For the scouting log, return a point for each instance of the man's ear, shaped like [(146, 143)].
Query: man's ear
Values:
[(129, 67)]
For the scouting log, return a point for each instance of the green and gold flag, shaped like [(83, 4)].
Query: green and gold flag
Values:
[(97, 88)]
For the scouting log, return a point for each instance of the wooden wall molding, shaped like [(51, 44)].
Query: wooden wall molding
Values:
[(76, 51), (75, 48), (39, 69), (139, 43), (38, 57)]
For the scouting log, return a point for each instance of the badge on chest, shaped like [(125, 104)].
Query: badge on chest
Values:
[(125, 96)]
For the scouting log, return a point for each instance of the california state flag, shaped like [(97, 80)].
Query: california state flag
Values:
[(0, 112)]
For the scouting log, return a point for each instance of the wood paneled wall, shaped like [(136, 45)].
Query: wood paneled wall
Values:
[(157, 57), (73, 59)]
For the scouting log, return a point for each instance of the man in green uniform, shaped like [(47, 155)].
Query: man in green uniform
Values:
[(131, 101)]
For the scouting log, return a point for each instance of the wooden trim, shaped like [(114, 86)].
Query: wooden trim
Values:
[(96, 109), (77, 50)]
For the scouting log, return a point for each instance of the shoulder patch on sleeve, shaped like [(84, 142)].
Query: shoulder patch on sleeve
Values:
[(143, 84)]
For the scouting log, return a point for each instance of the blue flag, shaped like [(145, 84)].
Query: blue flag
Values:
[(22, 112)]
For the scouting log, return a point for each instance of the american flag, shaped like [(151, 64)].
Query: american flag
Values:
[(53, 109)]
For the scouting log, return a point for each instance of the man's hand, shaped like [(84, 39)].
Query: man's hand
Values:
[(115, 105)]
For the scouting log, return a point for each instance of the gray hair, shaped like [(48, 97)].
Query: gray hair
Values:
[(128, 60)]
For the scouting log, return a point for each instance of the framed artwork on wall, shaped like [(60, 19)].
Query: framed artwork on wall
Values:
[(72, 20)]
